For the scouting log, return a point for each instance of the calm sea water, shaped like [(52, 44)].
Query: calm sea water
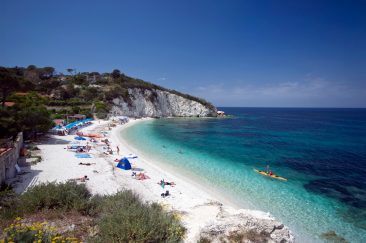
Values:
[(322, 152)]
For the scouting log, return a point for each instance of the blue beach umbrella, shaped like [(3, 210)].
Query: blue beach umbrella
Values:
[(79, 138)]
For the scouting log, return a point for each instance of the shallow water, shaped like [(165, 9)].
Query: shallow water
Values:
[(322, 152)]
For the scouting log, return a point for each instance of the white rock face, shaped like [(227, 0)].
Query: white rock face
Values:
[(245, 226), (157, 103)]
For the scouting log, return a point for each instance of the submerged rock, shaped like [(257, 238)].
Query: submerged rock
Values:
[(331, 236)]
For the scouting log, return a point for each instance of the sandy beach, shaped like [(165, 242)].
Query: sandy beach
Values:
[(197, 205)]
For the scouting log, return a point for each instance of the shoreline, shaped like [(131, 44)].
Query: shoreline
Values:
[(205, 193), (199, 207), (164, 168)]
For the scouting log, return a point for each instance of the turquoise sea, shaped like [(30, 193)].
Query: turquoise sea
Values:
[(322, 152)]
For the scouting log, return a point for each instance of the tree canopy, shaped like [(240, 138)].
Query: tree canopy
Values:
[(83, 92), (29, 114), (8, 83)]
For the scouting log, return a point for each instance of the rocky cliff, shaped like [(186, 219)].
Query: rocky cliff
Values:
[(159, 103)]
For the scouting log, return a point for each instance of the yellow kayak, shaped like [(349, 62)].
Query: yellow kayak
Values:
[(272, 176)]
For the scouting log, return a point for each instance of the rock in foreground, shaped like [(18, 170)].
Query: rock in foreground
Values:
[(245, 226)]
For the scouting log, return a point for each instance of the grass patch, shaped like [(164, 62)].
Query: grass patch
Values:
[(37, 159)]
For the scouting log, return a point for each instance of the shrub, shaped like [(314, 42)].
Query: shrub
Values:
[(124, 218), (203, 240), (65, 196), (37, 160), (86, 112), (9, 202), (102, 107), (36, 232), (57, 116), (119, 218), (102, 115)]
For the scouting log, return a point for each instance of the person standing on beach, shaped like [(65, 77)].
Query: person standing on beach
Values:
[(117, 150), (87, 147)]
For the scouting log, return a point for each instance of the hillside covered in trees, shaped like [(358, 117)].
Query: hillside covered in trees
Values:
[(31, 97)]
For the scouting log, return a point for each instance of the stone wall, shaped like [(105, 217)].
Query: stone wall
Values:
[(9, 158)]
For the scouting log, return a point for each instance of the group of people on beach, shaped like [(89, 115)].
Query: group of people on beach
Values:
[(109, 151)]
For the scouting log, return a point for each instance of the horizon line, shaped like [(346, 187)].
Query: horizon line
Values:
[(291, 107)]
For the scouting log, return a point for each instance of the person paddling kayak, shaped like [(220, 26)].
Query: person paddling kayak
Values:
[(269, 173)]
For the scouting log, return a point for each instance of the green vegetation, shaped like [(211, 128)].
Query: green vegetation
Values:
[(52, 94), (122, 217), (61, 196), (28, 114), (35, 232), (125, 218)]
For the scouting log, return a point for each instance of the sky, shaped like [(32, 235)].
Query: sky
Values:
[(276, 53)]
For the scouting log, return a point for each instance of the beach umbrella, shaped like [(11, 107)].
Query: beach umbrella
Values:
[(79, 138)]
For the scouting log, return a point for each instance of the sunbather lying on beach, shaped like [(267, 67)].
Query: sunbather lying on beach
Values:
[(164, 183), (80, 150), (82, 179), (141, 176), (88, 164)]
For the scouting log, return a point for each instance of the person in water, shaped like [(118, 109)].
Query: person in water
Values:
[(270, 173)]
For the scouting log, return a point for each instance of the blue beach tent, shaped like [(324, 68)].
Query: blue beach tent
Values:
[(79, 138), (124, 164)]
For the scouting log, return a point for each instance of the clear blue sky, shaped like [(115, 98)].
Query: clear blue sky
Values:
[(309, 53)]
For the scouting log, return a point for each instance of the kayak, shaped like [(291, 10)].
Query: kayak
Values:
[(272, 176)]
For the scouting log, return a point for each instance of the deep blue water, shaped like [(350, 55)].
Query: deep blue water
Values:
[(322, 152)]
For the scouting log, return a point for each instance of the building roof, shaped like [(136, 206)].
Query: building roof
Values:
[(8, 103), (4, 150), (21, 93), (59, 121), (78, 116)]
